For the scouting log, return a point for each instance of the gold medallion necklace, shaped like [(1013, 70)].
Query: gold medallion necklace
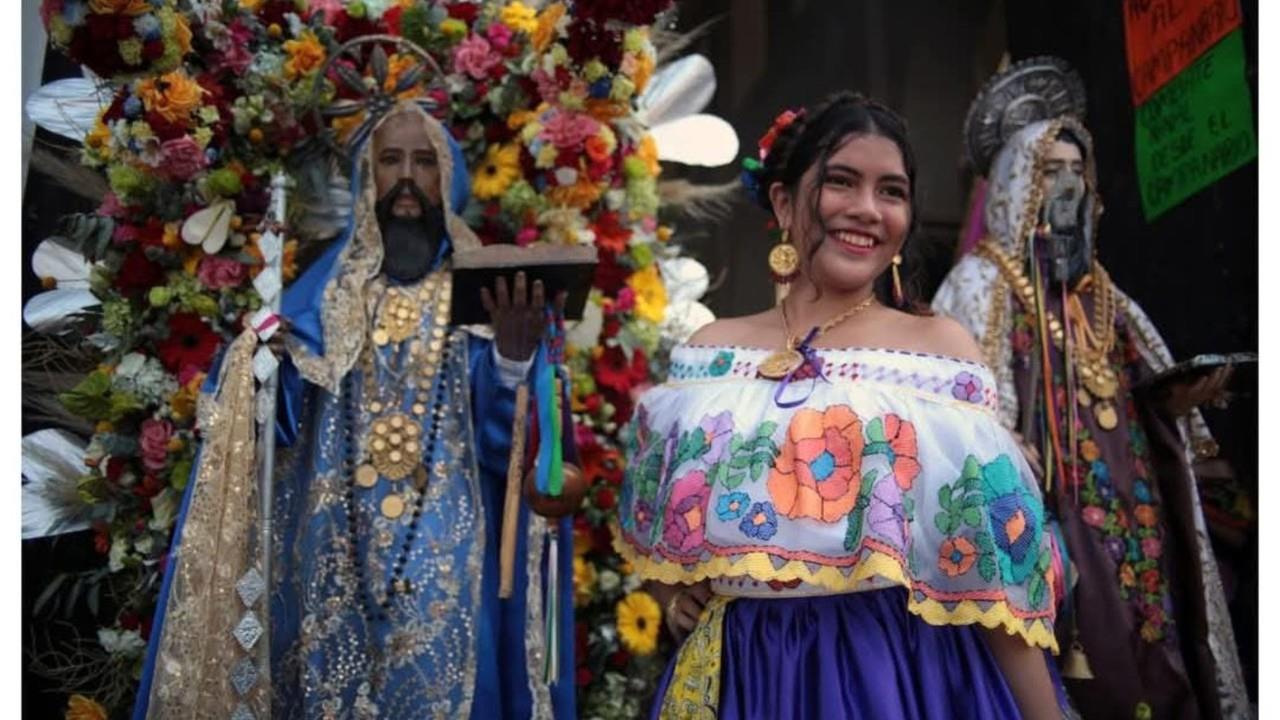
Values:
[(783, 362)]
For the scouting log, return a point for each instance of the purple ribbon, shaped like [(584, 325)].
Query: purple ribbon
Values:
[(811, 361)]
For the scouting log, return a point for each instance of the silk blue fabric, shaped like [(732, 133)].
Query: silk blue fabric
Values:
[(854, 656)]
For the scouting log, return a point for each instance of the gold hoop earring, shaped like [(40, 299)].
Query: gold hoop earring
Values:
[(898, 298)]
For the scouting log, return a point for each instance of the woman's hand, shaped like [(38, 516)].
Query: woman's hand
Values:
[(681, 605)]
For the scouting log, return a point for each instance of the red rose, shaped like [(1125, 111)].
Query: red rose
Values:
[(611, 234), (163, 129), (137, 273), (1151, 580), (464, 11), (589, 40), (190, 343)]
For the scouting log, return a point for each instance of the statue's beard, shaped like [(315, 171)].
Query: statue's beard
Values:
[(409, 244)]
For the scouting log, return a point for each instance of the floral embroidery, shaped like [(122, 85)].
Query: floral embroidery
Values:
[(1007, 524), (956, 556), (761, 522), (717, 430), (731, 506), (967, 387), (721, 364), (684, 523), (819, 471), (896, 439)]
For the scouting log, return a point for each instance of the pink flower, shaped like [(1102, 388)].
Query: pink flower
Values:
[(626, 300), (548, 85), (1151, 547), (568, 130), (183, 158), (220, 272), (527, 236), (685, 523), (475, 57), (1094, 515), (153, 437), (500, 36), (110, 206)]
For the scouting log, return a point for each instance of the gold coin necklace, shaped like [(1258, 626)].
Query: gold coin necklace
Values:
[(782, 363), (393, 446)]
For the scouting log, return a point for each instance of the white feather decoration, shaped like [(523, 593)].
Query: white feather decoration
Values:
[(49, 310), (678, 89)]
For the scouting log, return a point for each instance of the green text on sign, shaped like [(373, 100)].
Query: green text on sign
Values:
[(1195, 129)]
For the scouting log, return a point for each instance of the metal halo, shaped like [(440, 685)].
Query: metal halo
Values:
[(1030, 90), (373, 101)]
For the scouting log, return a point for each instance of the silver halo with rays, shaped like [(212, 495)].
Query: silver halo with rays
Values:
[(1030, 90), (373, 101)]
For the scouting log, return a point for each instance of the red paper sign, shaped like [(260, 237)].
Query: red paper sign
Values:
[(1163, 37)]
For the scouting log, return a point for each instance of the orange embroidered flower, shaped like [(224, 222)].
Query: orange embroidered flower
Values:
[(1127, 578), (902, 441), (956, 556), (819, 471), (1089, 451), (1145, 515)]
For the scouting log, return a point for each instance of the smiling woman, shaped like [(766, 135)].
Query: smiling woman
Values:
[(863, 535)]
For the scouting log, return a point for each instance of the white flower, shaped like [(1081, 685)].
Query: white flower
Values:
[(144, 378), (164, 508), (122, 642), (119, 548), (609, 581)]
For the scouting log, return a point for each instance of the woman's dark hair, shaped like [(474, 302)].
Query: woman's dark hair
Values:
[(812, 139)]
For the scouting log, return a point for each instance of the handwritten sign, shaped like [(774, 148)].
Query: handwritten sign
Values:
[(1195, 129), (1163, 37)]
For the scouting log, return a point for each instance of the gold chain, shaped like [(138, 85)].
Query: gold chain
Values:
[(828, 325)]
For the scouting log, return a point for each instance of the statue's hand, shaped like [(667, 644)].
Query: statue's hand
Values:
[(519, 317)]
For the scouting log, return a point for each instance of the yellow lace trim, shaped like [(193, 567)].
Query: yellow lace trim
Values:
[(760, 566)]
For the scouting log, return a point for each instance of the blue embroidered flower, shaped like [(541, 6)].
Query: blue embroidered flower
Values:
[(760, 522), (967, 387), (731, 506), (721, 364), (1016, 517), (1141, 492), (1115, 548), (1101, 472)]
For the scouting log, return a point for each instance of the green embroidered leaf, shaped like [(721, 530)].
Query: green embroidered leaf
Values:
[(765, 430), (984, 542), (740, 462), (734, 480), (972, 517), (757, 469), (1035, 590), (987, 567), (876, 448), (853, 535), (875, 430), (943, 520), (973, 500), (944, 496), (909, 507), (868, 479), (716, 474), (735, 444), (971, 468)]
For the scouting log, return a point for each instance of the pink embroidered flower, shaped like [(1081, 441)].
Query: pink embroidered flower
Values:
[(220, 272), (685, 518), (153, 438), (183, 158), (569, 130), (1151, 548), (474, 56), (1094, 515)]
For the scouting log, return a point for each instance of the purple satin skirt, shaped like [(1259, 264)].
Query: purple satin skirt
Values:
[(859, 655)]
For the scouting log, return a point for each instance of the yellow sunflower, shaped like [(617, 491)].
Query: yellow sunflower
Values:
[(500, 168), (80, 707), (639, 619), (651, 294)]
